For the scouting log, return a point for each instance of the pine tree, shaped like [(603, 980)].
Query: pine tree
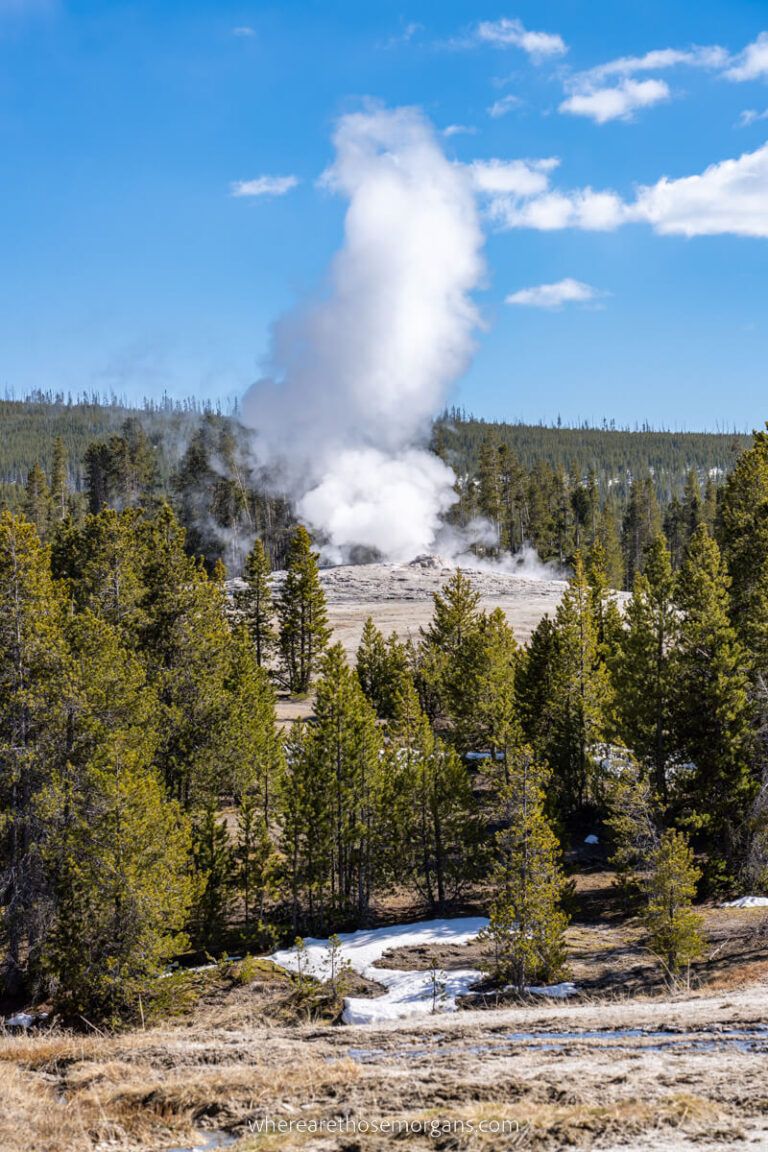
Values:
[(115, 850), (371, 664), (187, 644), (634, 822), (103, 559), (534, 685), (59, 482), (489, 497), (607, 532), (256, 861), (642, 524), (213, 857), (250, 747), (33, 725), (712, 714), (743, 536), (304, 631), (345, 749), (121, 884), (693, 507), (306, 824), (37, 500), (673, 927), (644, 668), (580, 695), (255, 602), (428, 813), (490, 713), (451, 648), (527, 925)]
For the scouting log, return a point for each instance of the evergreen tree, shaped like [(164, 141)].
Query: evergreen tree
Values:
[(37, 500), (33, 691), (608, 534), (121, 884), (187, 644), (644, 667), (255, 602), (304, 631), (345, 749), (103, 561), (490, 493), (526, 934), (256, 860), (743, 535), (451, 648), (306, 823), (534, 685), (490, 714), (250, 747), (674, 928), (693, 507), (371, 664), (712, 715), (579, 695), (59, 482), (428, 813), (642, 524), (214, 858), (115, 849)]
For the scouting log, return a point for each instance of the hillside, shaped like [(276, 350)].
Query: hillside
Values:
[(28, 428)]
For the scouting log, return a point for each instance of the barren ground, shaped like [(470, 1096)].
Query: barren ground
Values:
[(399, 598), (627, 1065)]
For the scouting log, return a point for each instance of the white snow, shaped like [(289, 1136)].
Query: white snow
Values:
[(21, 1020), (407, 993), (747, 902), (591, 839), (557, 991)]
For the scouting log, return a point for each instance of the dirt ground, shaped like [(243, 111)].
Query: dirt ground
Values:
[(625, 1065), (399, 598), (654, 1073)]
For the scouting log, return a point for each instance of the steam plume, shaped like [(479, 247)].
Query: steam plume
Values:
[(357, 374)]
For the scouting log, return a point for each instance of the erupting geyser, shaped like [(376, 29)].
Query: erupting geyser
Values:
[(357, 373)]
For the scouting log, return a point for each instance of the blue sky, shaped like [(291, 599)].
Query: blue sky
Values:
[(129, 264)]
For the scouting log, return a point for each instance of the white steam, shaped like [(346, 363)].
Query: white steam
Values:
[(357, 374)]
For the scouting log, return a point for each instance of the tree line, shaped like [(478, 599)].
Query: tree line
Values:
[(551, 488), (149, 802)]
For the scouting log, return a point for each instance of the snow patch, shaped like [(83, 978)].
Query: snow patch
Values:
[(407, 993), (556, 991), (25, 1019), (591, 839), (747, 902)]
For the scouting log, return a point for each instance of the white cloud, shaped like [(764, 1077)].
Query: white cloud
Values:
[(504, 105), (244, 30), (584, 209), (611, 91), (512, 33), (554, 296), (616, 103), (657, 60), (751, 116), (263, 186), (752, 63), (727, 198), (517, 178), (460, 130)]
